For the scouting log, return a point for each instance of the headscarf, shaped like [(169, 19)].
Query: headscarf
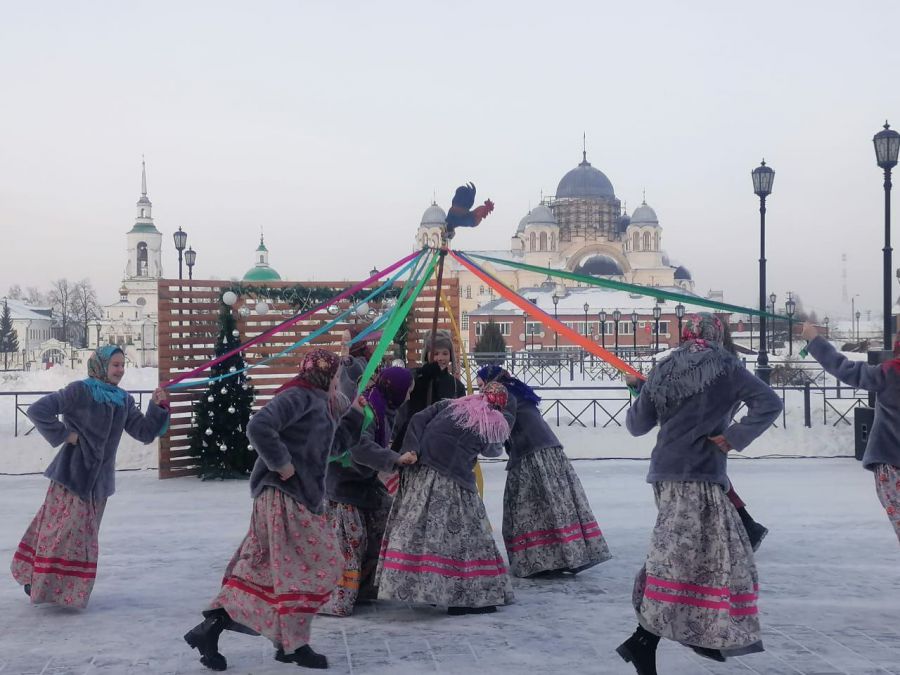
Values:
[(480, 413), (700, 360), (97, 382), (388, 393), (515, 386), (316, 372), (363, 348)]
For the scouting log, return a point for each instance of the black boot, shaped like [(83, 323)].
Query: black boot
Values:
[(489, 609), (640, 651), (27, 589), (457, 611), (204, 637), (304, 657), (707, 653), (755, 532)]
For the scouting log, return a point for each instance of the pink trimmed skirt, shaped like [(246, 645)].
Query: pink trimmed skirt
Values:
[(283, 572), (699, 585), (887, 486), (58, 553), (547, 521), (438, 548)]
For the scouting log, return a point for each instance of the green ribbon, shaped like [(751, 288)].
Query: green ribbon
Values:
[(387, 336), (650, 291)]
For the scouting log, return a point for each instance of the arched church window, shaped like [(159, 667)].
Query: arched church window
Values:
[(532, 240), (435, 241), (656, 241), (142, 269), (647, 241), (142, 213), (262, 258), (636, 241), (543, 241), (552, 241)]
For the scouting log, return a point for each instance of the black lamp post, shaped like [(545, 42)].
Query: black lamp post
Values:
[(679, 312), (616, 316), (555, 316), (586, 308), (634, 319), (180, 243), (190, 258), (601, 315), (857, 325), (789, 308), (763, 177), (887, 147), (656, 314), (772, 299), (826, 322)]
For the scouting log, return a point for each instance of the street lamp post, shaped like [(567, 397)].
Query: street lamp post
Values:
[(826, 321), (634, 319), (616, 316), (887, 147), (679, 312), (601, 315), (190, 258), (586, 308), (772, 300), (763, 177), (657, 311), (789, 308), (556, 317), (857, 325), (180, 243)]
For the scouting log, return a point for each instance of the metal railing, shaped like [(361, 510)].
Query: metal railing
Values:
[(22, 399)]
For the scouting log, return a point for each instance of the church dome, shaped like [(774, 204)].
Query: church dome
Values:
[(683, 273), (434, 216), (262, 273), (622, 222), (523, 223), (600, 266), (644, 215), (585, 182), (541, 215)]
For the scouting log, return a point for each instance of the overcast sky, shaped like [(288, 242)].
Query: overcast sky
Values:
[(332, 124)]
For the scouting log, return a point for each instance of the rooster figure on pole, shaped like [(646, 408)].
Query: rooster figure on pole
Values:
[(461, 213)]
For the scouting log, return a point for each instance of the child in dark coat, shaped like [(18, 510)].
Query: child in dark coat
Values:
[(437, 547), (56, 561)]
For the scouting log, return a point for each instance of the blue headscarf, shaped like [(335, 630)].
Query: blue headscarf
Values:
[(102, 390), (494, 373)]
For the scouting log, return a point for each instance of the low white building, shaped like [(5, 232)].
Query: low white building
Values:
[(32, 326)]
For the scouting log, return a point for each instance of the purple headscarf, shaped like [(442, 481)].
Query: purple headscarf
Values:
[(388, 393)]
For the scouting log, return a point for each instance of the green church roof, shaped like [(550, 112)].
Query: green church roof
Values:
[(262, 273), (262, 247), (144, 227)]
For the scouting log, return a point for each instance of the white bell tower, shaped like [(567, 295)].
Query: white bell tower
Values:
[(144, 240)]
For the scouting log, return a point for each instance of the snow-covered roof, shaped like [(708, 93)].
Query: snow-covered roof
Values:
[(21, 311)]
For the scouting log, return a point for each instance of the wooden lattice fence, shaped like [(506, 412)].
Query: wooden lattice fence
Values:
[(189, 325)]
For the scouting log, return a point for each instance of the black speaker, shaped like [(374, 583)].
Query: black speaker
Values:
[(863, 417)]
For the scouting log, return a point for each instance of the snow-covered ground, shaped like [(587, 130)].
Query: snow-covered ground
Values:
[(30, 453), (830, 577)]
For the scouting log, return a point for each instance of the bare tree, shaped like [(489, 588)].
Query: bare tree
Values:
[(35, 298), (14, 292), (84, 306), (60, 297)]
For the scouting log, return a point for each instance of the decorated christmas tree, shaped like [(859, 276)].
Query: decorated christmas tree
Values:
[(218, 433)]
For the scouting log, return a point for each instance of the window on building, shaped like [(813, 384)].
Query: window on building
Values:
[(647, 241), (465, 321), (532, 240), (533, 327), (552, 241), (142, 265), (468, 292), (656, 241), (636, 241), (664, 327), (481, 290), (543, 241), (624, 328)]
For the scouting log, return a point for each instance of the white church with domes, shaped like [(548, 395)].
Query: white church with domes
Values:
[(581, 229)]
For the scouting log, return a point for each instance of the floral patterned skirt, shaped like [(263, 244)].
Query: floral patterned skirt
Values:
[(887, 485), (58, 553), (359, 532), (283, 572), (699, 585), (547, 520), (438, 548)]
